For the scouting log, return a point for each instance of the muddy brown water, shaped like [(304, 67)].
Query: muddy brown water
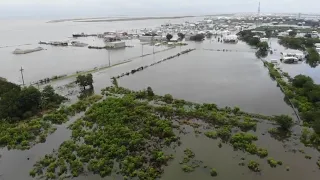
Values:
[(224, 78)]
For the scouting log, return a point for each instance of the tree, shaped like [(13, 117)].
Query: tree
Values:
[(9, 107), (169, 37), (150, 91), (284, 121), (316, 126), (114, 82), (89, 80), (81, 81), (254, 41), (29, 99), (168, 98), (263, 46), (236, 110), (268, 33), (313, 57), (85, 80), (181, 36), (198, 37), (308, 35), (17, 103), (49, 98), (300, 80), (293, 33), (48, 93), (6, 86)]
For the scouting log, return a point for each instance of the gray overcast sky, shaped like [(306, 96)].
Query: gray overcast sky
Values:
[(90, 8)]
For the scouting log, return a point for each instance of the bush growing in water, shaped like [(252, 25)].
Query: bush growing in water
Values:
[(284, 121), (243, 141), (254, 166), (274, 163), (56, 118), (213, 172), (211, 134), (187, 168), (224, 133)]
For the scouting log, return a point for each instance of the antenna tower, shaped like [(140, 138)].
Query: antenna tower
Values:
[(259, 9)]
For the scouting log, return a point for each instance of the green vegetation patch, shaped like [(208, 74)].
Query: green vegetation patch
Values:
[(304, 94), (120, 130), (244, 141), (274, 163), (24, 134), (254, 166), (213, 172), (211, 134), (126, 133)]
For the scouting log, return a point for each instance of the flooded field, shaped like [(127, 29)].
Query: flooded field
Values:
[(225, 78), (235, 78)]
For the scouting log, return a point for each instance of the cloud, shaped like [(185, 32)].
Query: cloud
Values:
[(84, 8)]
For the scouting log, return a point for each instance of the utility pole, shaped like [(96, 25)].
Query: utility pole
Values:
[(153, 49), (21, 70)]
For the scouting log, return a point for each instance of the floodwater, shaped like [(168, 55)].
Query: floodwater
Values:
[(294, 69), (224, 78), (64, 60), (235, 78)]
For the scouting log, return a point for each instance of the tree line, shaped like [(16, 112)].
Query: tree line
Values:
[(17, 103), (253, 39)]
